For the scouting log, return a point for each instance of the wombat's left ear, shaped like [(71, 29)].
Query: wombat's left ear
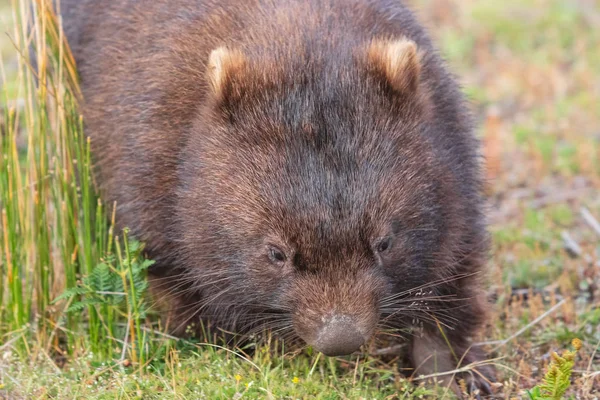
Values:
[(223, 66), (399, 61)]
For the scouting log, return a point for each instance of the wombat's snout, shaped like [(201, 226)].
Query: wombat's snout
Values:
[(338, 336)]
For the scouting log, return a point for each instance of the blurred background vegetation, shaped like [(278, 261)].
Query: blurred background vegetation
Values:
[(531, 69)]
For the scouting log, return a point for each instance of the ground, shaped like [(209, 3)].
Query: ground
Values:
[(531, 69)]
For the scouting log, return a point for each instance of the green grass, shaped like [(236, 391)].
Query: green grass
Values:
[(75, 318)]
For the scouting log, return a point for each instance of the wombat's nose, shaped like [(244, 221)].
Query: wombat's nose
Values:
[(339, 336)]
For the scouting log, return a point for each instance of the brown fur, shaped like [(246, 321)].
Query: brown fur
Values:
[(287, 162)]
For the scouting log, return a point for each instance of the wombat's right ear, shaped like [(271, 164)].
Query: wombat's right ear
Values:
[(223, 65), (399, 61)]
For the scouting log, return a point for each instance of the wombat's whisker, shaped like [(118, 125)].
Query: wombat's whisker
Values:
[(428, 285), (169, 277), (275, 328), (420, 313), (201, 305), (176, 292), (199, 286), (196, 288), (172, 285), (420, 300), (182, 280), (258, 320), (441, 321)]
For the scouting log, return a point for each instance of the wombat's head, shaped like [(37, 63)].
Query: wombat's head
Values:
[(311, 193)]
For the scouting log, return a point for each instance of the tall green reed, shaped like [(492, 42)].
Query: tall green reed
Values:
[(68, 283)]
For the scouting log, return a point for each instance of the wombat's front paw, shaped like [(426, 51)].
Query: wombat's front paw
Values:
[(431, 357)]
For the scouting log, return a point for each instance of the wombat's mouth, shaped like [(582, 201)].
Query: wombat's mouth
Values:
[(338, 335)]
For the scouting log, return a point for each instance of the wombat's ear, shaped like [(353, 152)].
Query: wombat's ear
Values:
[(399, 61), (223, 65)]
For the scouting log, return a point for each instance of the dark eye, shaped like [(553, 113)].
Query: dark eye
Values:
[(276, 255), (384, 245)]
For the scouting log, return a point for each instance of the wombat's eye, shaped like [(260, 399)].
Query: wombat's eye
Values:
[(277, 256), (383, 245)]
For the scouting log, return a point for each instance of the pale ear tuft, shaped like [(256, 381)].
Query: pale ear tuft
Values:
[(222, 64), (400, 62)]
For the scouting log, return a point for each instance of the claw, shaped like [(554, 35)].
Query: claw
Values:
[(485, 387), (480, 388)]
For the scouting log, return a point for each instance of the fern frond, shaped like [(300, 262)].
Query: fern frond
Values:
[(558, 378), (71, 292)]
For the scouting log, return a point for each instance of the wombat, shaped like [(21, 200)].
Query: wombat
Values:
[(304, 166)]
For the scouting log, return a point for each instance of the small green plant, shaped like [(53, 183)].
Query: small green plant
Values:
[(115, 289), (558, 378)]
